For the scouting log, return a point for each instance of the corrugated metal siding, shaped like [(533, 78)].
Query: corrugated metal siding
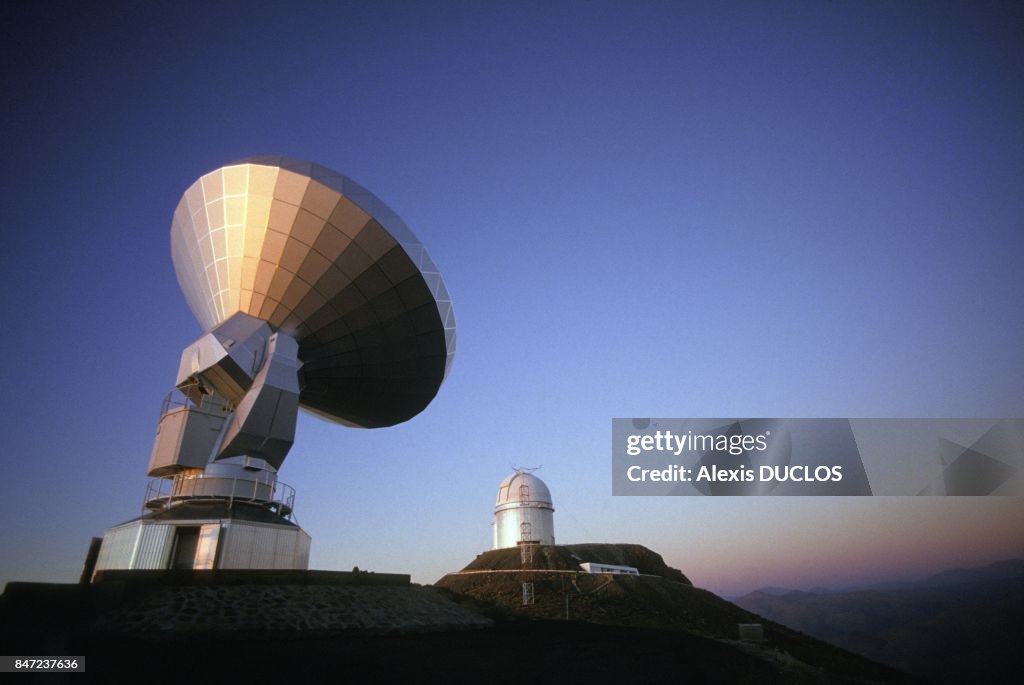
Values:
[(248, 546), (154, 547), (264, 548), (241, 545), (301, 559), (117, 547), (236, 539), (284, 552)]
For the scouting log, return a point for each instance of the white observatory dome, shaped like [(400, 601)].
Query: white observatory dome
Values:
[(523, 512)]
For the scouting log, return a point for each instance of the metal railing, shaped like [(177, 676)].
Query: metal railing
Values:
[(177, 399), (161, 493)]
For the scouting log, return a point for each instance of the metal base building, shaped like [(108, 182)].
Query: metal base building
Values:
[(206, 533)]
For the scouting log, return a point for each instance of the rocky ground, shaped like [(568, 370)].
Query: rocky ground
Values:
[(662, 598), (321, 628), (286, 610)]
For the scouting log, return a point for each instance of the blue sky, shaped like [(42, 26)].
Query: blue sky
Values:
[(670, 209)]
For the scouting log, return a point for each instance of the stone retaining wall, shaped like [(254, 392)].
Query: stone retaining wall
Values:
[(287, 610)]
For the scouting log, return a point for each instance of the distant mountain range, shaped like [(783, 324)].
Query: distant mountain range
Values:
[(1000, 570), (956, 626)]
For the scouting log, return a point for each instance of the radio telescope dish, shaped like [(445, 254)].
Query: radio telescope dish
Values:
[(311, 293), (322, 259)]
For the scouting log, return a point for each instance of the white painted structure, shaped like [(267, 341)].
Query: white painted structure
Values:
[(203, 544), (523, 512), (592, 567)]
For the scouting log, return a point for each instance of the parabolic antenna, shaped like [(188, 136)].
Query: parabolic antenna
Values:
[(320, 258), (311, 293)]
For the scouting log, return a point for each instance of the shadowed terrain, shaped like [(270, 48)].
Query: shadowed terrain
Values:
[(326, 627), (955, 626)]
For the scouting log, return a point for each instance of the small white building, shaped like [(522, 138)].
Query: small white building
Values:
[(523, 512), (592, 567)]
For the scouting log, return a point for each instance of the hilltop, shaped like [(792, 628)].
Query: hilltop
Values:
[(569, 558), (329, 626), (661, 599)]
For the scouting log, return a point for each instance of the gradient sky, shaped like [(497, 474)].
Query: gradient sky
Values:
[(655, 209)]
